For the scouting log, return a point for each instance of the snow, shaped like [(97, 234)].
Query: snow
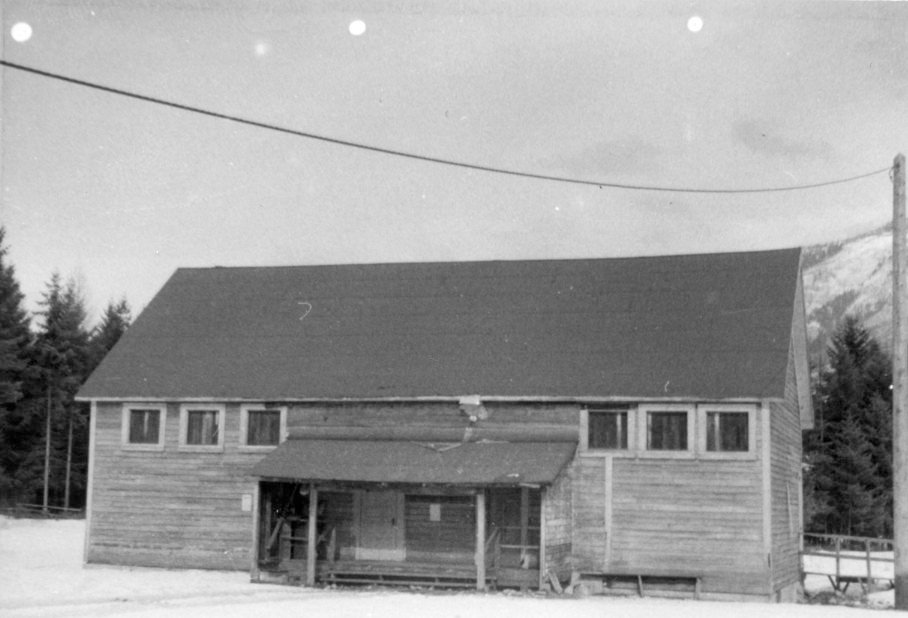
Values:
[(864, 266), (852, 564), (41, 574)]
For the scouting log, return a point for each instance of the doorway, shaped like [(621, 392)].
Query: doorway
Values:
[(381, 525)]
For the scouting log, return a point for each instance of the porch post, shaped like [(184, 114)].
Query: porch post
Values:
[(310, 545), (543, 568), (481, 540), (524, 520), (256, 531)]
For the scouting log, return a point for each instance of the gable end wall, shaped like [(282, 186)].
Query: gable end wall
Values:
[(169, 508), (786, 488)]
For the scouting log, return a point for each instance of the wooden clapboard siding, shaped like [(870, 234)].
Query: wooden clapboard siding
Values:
[(339, 516), (701, 516), (451, 538), (430, 414), (786, 486), (678, 515), (558, 525), (170, 508), (588, 523)]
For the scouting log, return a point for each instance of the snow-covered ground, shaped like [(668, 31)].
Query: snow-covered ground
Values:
[(852, 564), (41, 574)]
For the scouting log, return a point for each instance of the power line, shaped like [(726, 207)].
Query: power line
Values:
[(425, 158)]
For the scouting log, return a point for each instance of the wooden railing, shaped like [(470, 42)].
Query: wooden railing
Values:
[(493, 552), (846, 559), (38, 510)]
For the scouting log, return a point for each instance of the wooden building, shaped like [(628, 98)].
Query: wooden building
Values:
[(613, 422)]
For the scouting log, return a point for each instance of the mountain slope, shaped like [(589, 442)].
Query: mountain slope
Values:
[(854, 277)]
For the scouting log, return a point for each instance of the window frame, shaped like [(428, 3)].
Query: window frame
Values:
[(125, 425), (750, 409), (643, 412), (245, 409), (185, 409), (631, 413)]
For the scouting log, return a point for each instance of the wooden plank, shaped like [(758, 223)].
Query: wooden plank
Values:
[(766, 460), (543, 565), (311, 530), (524, 515), (256, 522), (607, 508), (89, 483), (480, 540)]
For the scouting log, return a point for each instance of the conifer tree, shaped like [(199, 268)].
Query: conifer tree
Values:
[(848, 456), (15, 342), (116, 319), (60, 362)]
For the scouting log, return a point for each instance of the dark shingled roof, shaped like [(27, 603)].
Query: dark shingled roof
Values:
[(377, 461), (705, 326)]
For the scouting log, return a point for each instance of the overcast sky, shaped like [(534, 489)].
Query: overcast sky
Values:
[(120, 192)]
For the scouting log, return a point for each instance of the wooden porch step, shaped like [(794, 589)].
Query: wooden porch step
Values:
[(401, 574), (664, 582)]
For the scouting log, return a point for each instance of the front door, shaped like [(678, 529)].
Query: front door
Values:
[(381, 525)]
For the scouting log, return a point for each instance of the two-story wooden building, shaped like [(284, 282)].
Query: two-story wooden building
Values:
[(515, 423)]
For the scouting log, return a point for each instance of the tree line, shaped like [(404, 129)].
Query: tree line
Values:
[(42, 366), (848, 453)]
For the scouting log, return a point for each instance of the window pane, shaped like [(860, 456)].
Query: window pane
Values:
[(144, 426), (607, 429), (666, 431), (202, 427), (727, 431), (264, 427)]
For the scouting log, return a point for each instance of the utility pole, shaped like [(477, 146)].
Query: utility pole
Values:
[(899, 384)]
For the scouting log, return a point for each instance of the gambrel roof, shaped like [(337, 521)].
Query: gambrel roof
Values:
[(709, 326)]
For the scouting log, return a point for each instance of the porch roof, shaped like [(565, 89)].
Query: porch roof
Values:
[(384, 461)]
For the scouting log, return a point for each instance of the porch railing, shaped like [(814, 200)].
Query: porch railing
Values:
[(524, 540), (845, 559), (493, 552)]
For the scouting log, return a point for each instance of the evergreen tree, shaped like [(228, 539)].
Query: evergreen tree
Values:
[(60, 362), (15, 342), (848, 456), (116, 319)]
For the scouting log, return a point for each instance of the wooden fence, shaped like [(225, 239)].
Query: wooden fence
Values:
[(847, 559), (37, 510)]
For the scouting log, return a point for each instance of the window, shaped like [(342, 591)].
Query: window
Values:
[(607, 429), (726, 431), (262, 426), (667, 430), (202, 426), (143, 426)]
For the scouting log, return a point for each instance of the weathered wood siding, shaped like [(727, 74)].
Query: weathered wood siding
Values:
[(452, 537), (339, 516), (429, 414), (588, 525), (696, 516), (786, 486), (558, 534), (170, 508), (178, 508)]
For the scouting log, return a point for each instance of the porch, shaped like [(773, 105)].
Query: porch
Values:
[(406, 535)]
